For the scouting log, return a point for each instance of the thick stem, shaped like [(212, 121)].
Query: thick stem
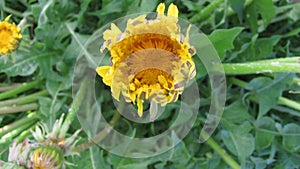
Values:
[(99, 136), (24, 100), (16, 109), (265, 66), (22, 88), (31, 118), (11, 135), (289, 103), (5, 87)]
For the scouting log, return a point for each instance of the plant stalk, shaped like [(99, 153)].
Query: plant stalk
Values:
[(22, 88), (24, 100), (16, 109), (29, 119), (266, 66)]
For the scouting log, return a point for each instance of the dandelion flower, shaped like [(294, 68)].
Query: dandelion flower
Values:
[(9, 36), (151, 60), (52, 146)]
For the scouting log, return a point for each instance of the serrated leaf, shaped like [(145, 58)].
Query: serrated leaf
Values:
[(291, 137), (222, 39), (264, 135)]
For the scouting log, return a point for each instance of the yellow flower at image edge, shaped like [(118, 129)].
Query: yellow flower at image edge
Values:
[(9, 36), (151, 60)]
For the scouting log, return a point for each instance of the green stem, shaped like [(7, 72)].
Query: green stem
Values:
[(24, 135), (289, 103), (74, 107), (223, 154), (11, 135), (5, 87), (264, 66), (99, 136), (31, 118), (16, 109), (206, 12), (22, 88), (24, 100)]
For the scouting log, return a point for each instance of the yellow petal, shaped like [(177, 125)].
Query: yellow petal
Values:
[(140, 107), (7, 18), (160, 9), (173, 10), (112, 33), (187, 34), (103, 70)]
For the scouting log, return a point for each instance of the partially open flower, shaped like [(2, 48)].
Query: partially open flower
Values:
[(48, 157), (9, 36), (151, 60), (52, 146), (18, 154)]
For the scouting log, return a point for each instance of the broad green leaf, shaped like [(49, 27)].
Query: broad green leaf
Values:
[(251, 18), (148, 6), (265, 132), (291, 137), (259, 162), (240, 144), (236, 112), (266, 9), (239, 141), (222, 39), (264, 46), (267, 90)]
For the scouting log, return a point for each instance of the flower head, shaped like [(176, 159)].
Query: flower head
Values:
[(19, 153), (151, 60), (9, 36), (47, 157), (52, 146)]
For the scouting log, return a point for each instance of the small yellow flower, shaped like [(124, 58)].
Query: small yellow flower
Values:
[(9, 36), (151, 60)]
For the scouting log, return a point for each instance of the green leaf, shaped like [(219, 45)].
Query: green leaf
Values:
[(236, 112), (222, 39), (239, 141), (267, 90), (264, 134), (238, 6), (266, 9), (264, 46), (148, 6), (251, 18), (291, 137), (259, 162)]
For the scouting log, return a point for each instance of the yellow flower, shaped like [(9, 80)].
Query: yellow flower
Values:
[(151, 60), (9, 36)]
